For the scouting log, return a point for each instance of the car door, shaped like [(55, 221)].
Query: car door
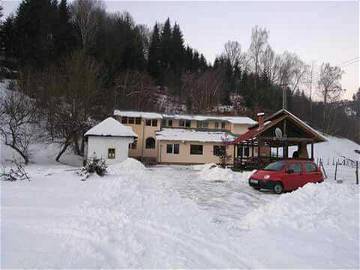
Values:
[(312, 173), (294, 176)]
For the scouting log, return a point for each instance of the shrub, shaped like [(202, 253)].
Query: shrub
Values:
[(94, 165)]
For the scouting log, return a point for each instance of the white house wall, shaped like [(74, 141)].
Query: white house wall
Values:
[(98, 147)]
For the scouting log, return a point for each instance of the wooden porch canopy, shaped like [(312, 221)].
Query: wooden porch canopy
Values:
[(282, 129)]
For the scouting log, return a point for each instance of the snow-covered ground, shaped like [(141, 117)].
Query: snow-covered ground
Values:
[(174, 217)]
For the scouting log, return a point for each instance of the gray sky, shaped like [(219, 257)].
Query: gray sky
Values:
[(316, 31)]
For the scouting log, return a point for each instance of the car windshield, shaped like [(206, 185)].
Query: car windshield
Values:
[(275, 166)]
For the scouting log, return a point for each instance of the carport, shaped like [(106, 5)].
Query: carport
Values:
[(269, 140)]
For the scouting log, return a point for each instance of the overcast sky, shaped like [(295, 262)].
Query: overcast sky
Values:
[(316, 31)]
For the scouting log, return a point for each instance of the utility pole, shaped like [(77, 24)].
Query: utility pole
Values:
[(284, 96), (311, 83)]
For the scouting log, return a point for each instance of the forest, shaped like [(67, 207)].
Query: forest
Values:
[(77, 63)]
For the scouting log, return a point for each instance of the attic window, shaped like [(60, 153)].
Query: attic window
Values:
[(111, 153)]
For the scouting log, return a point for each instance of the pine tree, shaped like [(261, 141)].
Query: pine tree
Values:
[(165, 45), (65, 39), (177, 57), (34, 27), (154, 60)]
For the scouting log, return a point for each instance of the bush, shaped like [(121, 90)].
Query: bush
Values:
[(94, 165)]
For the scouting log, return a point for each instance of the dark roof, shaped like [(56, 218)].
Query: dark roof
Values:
[(256, 130)]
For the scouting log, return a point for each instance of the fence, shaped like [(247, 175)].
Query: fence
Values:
[(340, 164)]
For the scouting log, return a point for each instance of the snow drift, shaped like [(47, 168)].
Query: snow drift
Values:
[(127, 165), (310, 208)]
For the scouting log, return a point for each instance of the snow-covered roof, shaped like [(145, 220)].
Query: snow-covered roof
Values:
[(232, 119), (177, 134), (150, 115), (112, 128), (146, 115)]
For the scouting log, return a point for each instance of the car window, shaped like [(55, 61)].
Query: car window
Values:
[(310, 167), (275, 166), (295, 167)]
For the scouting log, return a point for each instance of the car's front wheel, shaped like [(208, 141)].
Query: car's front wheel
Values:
[(278, 188)]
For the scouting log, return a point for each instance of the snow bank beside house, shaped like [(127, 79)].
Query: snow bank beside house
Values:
[(127, 165)]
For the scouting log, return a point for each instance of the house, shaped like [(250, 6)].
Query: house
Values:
[(109, 140), (260, 145), (182, 139)]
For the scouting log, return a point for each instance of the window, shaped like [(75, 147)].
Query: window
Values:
[(202, 124), (218, 150), (216, 125), (124, 120), (188, 123), (138, 120), (166, 123), (148, 122), (275, 166), (172, 148), (133, 145), (196, 149), (111, 153), (223, 125), (131, 120), (154, 122), (296, 168), (150, 143), (181, 123), (246, 151), (176, 148), (310, 167)]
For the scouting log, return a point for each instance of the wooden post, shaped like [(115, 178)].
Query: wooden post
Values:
[(336, 165), (312, 151), (235, 145), (357, 172)]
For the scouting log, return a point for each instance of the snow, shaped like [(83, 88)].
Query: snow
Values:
[(174, 134), (199, 216), (213, 172), (150, 115), (111, 127), (232, 119), (129, 164), (146, 115)]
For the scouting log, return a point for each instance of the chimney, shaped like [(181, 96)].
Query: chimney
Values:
[(260, 119)]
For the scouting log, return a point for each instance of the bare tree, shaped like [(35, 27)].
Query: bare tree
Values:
[(270, 64), (259, 39), (330, 90), (202, 90), (17, 115), (232, 52), (71, 95), (86, 15), (329, 82), (134, 90)]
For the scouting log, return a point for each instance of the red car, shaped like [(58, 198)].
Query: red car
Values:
[(286, 175)]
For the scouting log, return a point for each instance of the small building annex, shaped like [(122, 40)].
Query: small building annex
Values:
[(109, 140)]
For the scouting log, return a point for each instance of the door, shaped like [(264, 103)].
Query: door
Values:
[(312, 173), (294, 177)]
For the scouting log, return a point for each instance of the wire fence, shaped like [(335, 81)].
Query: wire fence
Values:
[(340, 168)]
